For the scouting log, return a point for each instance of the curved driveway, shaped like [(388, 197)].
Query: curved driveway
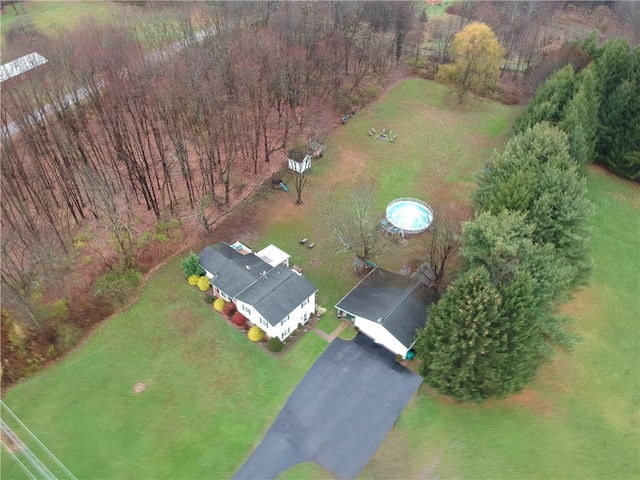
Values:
[(339, 413)]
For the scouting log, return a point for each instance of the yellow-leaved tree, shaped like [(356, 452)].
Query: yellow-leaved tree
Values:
[(477, 59)]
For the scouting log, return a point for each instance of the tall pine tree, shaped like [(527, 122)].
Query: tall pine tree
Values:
[(548, 103), (618, 138), (457, 346), (481, 340), (580, 118), (535, 174), (503, 245)]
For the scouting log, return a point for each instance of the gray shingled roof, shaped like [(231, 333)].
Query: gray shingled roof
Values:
[(277, 293), (274, 292), (232, 271), (397, 302)]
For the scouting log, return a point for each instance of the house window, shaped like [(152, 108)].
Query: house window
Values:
[(305, 318), (305, 302), (263, 321), (285, 333), (246, 309)]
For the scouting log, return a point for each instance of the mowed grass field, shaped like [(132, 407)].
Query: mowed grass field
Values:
[(210, 392), (211, 395), (49, 16), (580, 417)]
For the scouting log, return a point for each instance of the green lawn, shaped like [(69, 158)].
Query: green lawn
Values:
[(211, 394), (328, 323), (348, 333), (579, 419), (48, 16)]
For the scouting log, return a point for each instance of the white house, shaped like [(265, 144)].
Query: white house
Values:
[(389, 308), (263, 287)]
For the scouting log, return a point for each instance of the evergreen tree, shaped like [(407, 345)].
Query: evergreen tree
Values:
[(560, 211), (523, 344), (580, 119), (191, 265), (507, 181), (535, 174), (481, 340), (503, 245), (618, 137), (549, 101), (599, 108), (614, 65), (619, 133), (494, 327), (457, 346)]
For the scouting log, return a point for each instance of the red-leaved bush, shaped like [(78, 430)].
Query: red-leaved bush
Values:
[(229, 309), (239, 319)]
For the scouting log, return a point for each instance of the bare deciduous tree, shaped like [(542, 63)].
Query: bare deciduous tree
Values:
[(355, 226), (442, 30), (299, 182), (27, 262), (442, 244)]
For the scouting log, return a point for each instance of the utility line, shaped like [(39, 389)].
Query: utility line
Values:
[(27, 451), (18, 461)]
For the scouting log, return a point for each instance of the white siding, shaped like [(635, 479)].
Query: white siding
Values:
[(245, 310), (216, 291), (283, 328), (302, 166), (381, 335)]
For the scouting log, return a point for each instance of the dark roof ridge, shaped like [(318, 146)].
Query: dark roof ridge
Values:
[(403, 297), (275, 285), (358, 284)]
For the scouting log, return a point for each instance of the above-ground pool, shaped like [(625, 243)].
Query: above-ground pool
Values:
[(409, 215)]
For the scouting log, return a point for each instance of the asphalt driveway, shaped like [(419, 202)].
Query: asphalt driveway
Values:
[(339, 413)]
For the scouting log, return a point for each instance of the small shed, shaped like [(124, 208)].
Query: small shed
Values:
[(316, 148), (299, 161)]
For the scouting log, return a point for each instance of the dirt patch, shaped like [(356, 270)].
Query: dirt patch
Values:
[(139, 387), (186, 324), (348, 166), (9, 443), (533, 401)]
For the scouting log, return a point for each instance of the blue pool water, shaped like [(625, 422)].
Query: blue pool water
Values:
[(409, 214)]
